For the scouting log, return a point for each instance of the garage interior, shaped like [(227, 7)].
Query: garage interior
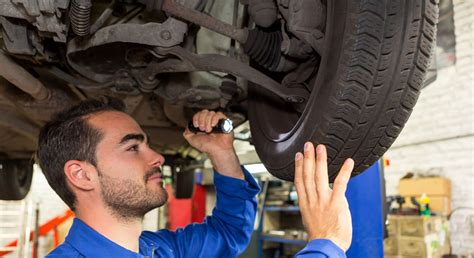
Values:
[(417, 201)]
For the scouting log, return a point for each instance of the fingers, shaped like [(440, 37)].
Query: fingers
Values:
[(308, 172), (340, 184), (321, 173), (196, 118), (216, 117), (300, 189), (208, 121), (201, 119), (205, 120)]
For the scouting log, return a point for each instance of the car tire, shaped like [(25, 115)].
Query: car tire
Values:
[(15, 178), (375, 57)]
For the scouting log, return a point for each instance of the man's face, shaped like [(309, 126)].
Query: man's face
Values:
[(129, 171)]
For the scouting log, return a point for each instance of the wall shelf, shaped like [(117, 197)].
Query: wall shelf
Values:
[(282, 208), (282, 240)]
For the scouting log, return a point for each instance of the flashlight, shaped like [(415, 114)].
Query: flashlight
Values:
[(223, 126)]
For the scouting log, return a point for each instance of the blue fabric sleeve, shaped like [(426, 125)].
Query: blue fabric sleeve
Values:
[(321, 248), (224, 234)]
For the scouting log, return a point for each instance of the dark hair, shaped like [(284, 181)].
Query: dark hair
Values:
[(69, 136)]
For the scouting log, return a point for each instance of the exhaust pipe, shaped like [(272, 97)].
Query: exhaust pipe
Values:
[(22, 79)]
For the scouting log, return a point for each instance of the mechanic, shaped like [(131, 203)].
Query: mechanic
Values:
[(98, 160)]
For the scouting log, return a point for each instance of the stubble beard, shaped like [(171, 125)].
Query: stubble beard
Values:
[(129, 199)]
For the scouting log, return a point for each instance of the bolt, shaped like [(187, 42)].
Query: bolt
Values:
[(166, 35)]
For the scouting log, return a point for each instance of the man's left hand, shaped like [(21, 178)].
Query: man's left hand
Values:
[(218, 146), (207, 142)]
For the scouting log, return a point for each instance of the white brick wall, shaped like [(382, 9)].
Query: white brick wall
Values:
[(50, 206), (440, 133)]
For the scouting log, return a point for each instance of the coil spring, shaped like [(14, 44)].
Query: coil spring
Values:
[(80, 15)]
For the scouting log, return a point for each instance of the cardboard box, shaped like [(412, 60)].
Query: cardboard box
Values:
[(415, 226), (390, 246), (413, 247), (392, 225), (438, 204), (431, 186), (416, 237)]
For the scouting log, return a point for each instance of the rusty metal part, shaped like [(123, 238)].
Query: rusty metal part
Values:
[(173, 87), (78, 82), (262, 46), (15, 37), (175, 113), (306, 19), (45, 15), (22, 79), (103, 17), (204, 20), (190, 62), (263, 12), (201, 97), (297, 48), (38, 111), (166, 34), (42, 111), (19, 125), (229, 89)]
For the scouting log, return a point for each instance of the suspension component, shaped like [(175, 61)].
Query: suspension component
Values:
[(264, 48), (228, 90), (80, 15), (263, 12)]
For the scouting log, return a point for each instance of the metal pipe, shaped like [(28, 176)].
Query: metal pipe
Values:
[(191, 15), (21, 78)]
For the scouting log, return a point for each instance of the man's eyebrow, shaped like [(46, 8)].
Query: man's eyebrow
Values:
[(133, 136)]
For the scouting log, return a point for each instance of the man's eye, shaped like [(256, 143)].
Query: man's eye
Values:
[(133, 148)]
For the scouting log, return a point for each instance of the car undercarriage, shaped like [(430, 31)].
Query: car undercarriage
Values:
[(343, 73)]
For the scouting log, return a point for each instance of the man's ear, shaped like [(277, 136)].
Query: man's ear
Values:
[(81, 174)]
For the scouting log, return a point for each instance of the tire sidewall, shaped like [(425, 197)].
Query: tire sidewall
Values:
[(12, 187), (312, 120)]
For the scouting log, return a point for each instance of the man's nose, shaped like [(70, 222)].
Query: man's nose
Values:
[(157, 159)]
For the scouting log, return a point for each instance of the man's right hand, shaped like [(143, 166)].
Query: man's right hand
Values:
[(325, 211)]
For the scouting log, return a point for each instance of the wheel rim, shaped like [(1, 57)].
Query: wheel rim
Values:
[(276, 118), (277, 140)]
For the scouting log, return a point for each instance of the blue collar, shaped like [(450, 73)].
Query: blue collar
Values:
[(91, 243)]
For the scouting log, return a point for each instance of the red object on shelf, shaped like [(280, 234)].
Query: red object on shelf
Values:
[(44, 229), (182, 212), (199, 204)]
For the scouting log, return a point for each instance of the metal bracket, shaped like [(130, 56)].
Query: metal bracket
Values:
[(190, 62), (166, 34)]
